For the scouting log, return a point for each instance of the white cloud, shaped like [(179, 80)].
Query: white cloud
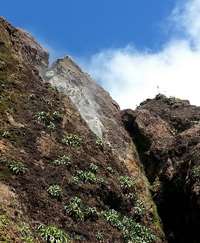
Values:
[(132, 76)]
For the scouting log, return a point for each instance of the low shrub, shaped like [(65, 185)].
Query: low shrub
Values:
[(126, 182), (55, 191), (5, 134), (100, 236), (72, 140), (52, 234), (17, 167), (47, 119), (77, 210), (139, 208), (63, 160), (99, 142), (131, 231), (93, 168), (195, 173), (84, 176), (4, 221), (26, 234)]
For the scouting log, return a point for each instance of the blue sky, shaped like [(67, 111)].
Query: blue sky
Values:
[(133, 48), (85, 27)]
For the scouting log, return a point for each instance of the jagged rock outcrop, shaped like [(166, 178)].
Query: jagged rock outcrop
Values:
[(68, 168), (166, 132)]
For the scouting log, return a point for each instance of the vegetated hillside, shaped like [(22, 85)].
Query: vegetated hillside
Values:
[(69, 171), (166, 132)]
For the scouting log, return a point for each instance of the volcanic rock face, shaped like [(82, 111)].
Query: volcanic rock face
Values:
[(69, 171), (23, 44), (166, 132), (73, 167), (97, 108)]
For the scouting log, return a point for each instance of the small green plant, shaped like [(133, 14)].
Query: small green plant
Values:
[(100, 236), (57, 115), (195, 173), (91, 212), (84, 176), (48, 119), (52, 234), (75, 208), (42, 117), (26, 234), (51, 126), (72, 140), (93, 168), (5, 134), (139, 208), (4, 221), (113, 217), (131, 231), (55, 191), (99, 142), (17, 167), (110, 170), (126, 182), (63, 160)]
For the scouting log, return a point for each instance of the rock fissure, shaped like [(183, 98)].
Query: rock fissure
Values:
[(167, 140)]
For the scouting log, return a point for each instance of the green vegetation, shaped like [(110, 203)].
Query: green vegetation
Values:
[(47, 119), (75, 208), (52, 234), (84, 176), (72, 140), (126, 182), (139, 208), (110, 170), (88, 176), (100, 236), (63, 160), (55, 191), (17, 167), (195, 173), (93, 168), (4, 221), (78, 211), (131, 231), (26, 234), (5, 134), (99, 142)]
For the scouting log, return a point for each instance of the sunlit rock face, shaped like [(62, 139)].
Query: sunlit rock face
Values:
[(82, 90), (95, 105), (25, 46), (35, 123)]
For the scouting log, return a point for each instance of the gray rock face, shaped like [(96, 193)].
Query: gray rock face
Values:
[(94, 104), (68, 77)]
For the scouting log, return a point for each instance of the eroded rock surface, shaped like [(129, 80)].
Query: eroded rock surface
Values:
[(166, 132), (65, 154)]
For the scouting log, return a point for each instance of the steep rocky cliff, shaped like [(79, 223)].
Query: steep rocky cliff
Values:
[(166, 132), (69, 170), (74, 168)]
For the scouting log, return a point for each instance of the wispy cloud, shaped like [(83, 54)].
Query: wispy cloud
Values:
[(132, 76)]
